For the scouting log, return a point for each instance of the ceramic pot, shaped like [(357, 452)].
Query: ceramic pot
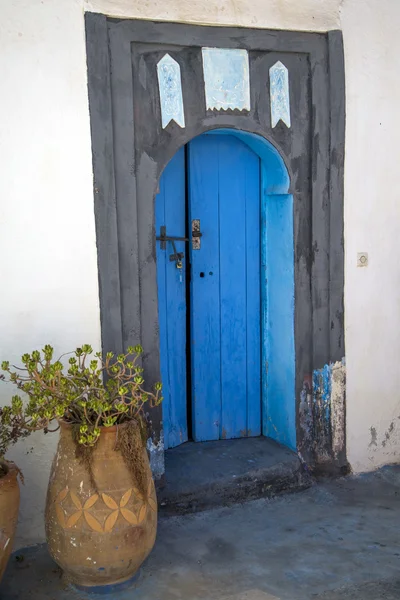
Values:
[(9, 505), (98, 535)]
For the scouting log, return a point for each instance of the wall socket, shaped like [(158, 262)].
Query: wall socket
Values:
[(362, 259)]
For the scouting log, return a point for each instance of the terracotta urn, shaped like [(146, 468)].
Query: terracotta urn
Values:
[(9, 505), (100, 526)]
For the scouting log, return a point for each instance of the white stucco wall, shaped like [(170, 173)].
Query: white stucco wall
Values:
[(315, 15), (372, 220), (49, 289)]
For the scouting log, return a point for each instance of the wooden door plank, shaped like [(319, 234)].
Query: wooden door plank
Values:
[(205, 297), (233, 159), (162, 308), (170, 211), (253, 291)]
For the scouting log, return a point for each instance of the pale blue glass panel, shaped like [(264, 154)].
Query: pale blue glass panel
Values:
[(170, 86), (279, 91), (226, 78)]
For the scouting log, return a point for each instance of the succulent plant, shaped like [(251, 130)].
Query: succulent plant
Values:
[(90, 392)]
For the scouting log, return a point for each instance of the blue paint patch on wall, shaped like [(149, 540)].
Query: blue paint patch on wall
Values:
[(322, 416), (322, 389)]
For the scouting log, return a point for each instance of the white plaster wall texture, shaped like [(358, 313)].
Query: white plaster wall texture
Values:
[(372, 218), (49, 291), (308, 15)]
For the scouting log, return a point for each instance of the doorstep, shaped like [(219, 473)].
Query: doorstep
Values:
[(206, 475)]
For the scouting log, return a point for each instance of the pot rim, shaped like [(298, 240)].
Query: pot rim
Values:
[(103, 429)]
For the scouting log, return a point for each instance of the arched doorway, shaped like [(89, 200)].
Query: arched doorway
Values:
[(131, 147), (225, 274)]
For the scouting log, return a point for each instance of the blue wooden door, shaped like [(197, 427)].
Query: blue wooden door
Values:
[(219, 344), (224, 195), (171, 214)]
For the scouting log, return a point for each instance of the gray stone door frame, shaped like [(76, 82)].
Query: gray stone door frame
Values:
[(130, 150)]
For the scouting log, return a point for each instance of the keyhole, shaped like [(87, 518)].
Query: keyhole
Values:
[(202, 274)]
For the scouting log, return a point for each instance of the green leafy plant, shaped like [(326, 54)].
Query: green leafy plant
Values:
[(11, 430), (90, 393)]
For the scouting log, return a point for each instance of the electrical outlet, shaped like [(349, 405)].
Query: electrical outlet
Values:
[(362, 259)]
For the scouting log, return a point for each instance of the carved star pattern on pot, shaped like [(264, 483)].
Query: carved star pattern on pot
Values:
[(83, 509), (129, 515)]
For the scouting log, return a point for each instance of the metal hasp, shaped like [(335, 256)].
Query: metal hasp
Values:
[(164, 238)]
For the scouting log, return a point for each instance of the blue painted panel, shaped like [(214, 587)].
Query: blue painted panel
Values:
[(233, 159), (170, 211), (279, 420), (253, 299), (225, 196), (205, 296)]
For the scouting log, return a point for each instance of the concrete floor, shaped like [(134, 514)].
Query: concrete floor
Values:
[(337, 540)]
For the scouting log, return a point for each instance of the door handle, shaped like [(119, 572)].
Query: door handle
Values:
[(196, 234)]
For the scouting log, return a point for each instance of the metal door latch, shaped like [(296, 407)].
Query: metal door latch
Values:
[(164, 238)]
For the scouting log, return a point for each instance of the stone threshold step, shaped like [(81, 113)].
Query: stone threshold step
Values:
[(200, 476)]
